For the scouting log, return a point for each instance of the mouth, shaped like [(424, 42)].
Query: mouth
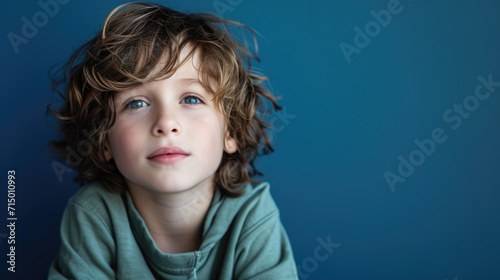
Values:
[(168, 155)]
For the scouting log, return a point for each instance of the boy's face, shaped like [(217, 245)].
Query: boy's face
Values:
[(178, 112)]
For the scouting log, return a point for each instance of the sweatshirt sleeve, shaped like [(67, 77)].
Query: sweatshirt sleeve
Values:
[(264, 250), (86, 245)]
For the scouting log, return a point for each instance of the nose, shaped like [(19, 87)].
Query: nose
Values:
[(166, 122)]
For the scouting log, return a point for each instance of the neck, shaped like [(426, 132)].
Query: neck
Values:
[(174, 220)]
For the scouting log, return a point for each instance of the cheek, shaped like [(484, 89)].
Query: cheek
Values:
[(124, 143), (210, 137)]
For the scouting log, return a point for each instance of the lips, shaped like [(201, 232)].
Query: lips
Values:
[(167, 155)]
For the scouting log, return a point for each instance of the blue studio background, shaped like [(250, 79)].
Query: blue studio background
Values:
[(388, 148)]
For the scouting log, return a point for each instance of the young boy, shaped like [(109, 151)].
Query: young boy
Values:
[(170, 108)]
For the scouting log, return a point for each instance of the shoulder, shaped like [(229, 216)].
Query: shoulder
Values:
[(88, 232), (94, 199), (255, 207), (93, 195), (258, 198), (262, 248)]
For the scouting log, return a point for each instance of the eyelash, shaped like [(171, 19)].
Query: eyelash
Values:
[(200, 101)]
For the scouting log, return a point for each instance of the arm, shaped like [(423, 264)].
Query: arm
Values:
[(87, 246)]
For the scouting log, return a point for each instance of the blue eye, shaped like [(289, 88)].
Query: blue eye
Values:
[(192, 100), (136, 104)]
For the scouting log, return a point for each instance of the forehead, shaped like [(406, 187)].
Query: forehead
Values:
[(188, 69), (188, 64)]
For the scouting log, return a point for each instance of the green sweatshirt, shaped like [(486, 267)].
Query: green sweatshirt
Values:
[(104, 237)]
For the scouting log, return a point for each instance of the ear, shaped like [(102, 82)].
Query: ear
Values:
[(108, 154), (230, 144)]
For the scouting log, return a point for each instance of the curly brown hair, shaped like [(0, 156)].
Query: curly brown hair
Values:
[(132, 41)]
